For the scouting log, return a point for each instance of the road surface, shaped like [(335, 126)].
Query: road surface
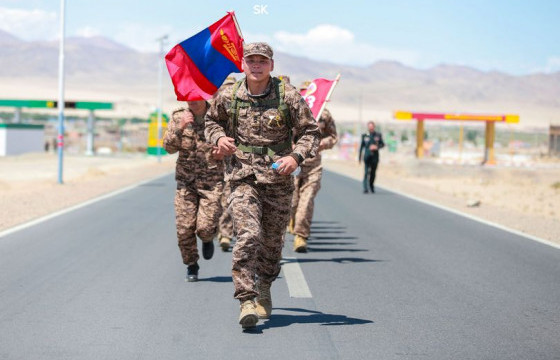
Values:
[(385, 277)]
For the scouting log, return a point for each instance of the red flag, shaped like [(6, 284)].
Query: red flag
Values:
[(317, 94), (199, 65)]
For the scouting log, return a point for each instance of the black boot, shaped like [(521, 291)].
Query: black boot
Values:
[(192, 272), (208, 249)]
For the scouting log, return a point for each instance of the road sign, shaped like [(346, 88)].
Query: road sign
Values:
[(153, 133), (52, 104)]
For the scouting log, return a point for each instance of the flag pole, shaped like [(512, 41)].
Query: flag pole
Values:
[(328, 96), (238, 32), (236, 24), (60, 138), (161, 41)]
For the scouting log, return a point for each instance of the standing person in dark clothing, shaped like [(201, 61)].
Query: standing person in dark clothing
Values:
[(372, 142)]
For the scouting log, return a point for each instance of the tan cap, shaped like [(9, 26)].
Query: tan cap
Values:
[(304, 85), (258, 48), (229, 80), (284, 78)]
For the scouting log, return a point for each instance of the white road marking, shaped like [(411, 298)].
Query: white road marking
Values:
[(475, 218), (457, 212), (75, 207), (297, 285)]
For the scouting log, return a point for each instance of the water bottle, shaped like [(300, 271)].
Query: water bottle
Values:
[(294, 173)]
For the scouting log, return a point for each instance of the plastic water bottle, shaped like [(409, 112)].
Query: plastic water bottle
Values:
[(294, 173)]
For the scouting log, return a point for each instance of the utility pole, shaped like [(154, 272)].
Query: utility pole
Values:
[(60, 139), (162, 41), (358, 126)]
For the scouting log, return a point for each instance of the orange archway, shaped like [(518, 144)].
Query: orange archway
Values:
[(490, 133)]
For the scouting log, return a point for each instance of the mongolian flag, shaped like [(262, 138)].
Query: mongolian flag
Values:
[(200, 64), (318, 93)]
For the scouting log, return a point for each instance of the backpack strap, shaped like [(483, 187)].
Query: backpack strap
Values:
[(282, 106), (234, 107)]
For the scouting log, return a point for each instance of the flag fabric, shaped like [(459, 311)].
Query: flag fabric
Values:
[(199, 65), (317, 94)]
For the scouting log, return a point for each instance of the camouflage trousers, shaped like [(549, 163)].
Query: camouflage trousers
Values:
[(197, 211), (260, 215), (226, 222), (307, 185)]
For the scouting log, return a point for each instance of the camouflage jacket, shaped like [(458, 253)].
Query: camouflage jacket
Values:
[(195, 162), (329, 138), (262, 126)]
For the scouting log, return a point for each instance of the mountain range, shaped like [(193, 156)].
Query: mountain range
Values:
[(99, 69)]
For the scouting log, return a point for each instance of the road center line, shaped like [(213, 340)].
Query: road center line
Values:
[(297, 285)]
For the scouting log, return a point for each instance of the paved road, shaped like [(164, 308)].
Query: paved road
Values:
[(390, 278)]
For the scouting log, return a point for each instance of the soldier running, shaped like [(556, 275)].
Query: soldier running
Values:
[(226, 223), (308, 183), (251, 123), (199, 174)]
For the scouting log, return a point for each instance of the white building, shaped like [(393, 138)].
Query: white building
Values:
[(18, 139)]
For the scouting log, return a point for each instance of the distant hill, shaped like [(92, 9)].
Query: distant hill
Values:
[(94, 59), (7, 38), (100, 69)]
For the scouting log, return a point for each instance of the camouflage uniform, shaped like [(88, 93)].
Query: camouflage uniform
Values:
[(199, 184), (284, 78), (226, 222), (260, 197), (308, 182)]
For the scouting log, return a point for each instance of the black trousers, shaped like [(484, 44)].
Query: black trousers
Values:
[(370, 167)]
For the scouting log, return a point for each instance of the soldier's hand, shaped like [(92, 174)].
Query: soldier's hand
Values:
[(185, 119), (287, 165), (226, 145), (216, 154), (373, 147), (322, 146)]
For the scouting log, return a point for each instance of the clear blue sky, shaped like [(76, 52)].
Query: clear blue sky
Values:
[(513, 36)]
